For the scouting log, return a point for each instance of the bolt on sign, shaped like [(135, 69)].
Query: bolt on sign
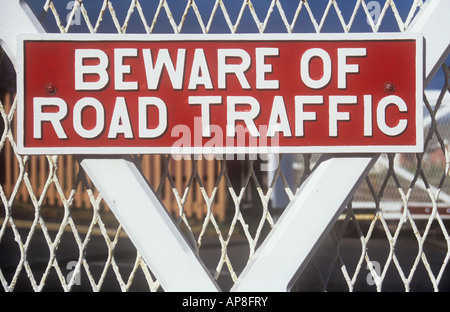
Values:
[(125, 94)]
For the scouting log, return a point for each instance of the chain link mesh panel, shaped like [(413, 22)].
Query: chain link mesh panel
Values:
[(58, 234)]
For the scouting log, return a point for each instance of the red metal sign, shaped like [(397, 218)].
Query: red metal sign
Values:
[(219, 94)]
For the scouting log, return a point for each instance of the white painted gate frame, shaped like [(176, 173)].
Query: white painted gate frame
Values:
[(308, 217)]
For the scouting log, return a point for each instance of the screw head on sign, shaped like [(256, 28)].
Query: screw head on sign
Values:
[(50, 89), (389, 88)]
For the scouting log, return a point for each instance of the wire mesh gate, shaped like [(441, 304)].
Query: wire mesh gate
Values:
[(392, 236)]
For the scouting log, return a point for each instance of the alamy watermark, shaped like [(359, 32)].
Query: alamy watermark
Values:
[(373, 266), (267, 144), (76, 19), (374, 8), (74, 274)]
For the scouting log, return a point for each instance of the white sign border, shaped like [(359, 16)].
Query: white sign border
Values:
[(99, 150)]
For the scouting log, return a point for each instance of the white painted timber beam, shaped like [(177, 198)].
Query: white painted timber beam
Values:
[(171, 259)]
